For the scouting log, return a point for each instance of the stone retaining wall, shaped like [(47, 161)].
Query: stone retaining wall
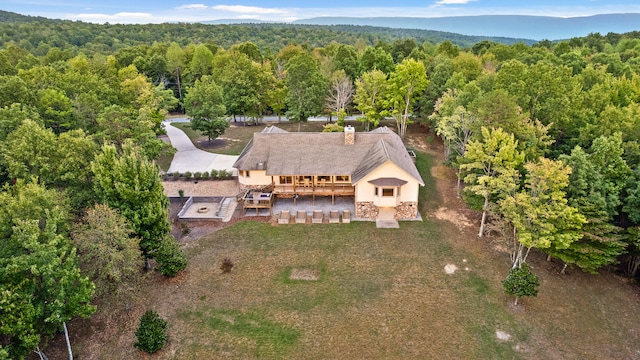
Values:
[(407, 210), (366, 210)]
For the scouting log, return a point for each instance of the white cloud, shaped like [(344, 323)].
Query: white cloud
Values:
[(453, 2), (241, 9), (192, 6), (121, 17)]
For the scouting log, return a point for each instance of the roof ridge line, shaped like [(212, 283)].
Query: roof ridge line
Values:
[(384, 147)]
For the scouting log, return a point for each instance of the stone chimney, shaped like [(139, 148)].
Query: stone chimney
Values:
[(349, 135)]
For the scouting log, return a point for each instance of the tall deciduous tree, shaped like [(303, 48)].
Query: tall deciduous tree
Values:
[(130, 183), (306, 88), (204, 103), (201, 62), (41, 287), (371, 92), (109, 253), (406, 83), (540, 214), (456, 130), (341, 92), (491, 166), (176, 62), (595, 187)]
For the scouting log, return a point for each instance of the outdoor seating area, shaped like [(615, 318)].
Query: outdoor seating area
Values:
[(284, 217), (305, 211), (301, 217), (317, 217)]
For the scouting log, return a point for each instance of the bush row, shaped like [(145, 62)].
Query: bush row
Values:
[(213, 175)]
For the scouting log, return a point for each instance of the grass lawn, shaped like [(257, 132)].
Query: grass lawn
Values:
[(377, 294)]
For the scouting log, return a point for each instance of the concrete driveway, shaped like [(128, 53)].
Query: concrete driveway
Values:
[(190, 158)]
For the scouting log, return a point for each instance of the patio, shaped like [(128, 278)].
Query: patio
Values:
[(307, 204)]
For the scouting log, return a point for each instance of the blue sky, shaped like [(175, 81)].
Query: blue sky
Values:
[(158, 11)]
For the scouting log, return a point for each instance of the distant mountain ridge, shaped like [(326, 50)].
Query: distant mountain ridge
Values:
[(511, 26)]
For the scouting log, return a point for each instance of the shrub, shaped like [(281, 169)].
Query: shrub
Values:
[(224, 174), (176, 175), (197, 175), (187, 175), (334, 127), (227, 265), (185, 228), (214, 174), (170, 257), (205, 175), (521, 282), (152, 332)]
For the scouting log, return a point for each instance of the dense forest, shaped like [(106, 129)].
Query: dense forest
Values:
[(544, 139), (38, 34)]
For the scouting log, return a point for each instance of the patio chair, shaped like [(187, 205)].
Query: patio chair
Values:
[(301, 217), (285, 217), (346, 216), (317, 217), (334, 217)]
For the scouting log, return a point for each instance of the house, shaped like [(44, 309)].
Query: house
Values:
[(372, 167)]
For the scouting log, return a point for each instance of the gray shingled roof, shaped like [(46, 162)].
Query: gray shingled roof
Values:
[(303, 153)]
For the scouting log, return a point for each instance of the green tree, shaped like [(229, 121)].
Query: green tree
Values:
[(375, 58), (201, 63), (594, 189), (275, 97), (238, 77), (108, 253), (498, 108), (491, 167), (55, 109), (151, 333), (521, 282), (204, 103), (306, 88), (456, 130), (406, 83), (371, 91), (540, 214), (170, 257), (40, 283), (175, 63), (130, 184)]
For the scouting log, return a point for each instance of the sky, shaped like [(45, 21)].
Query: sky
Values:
[(159, 11)]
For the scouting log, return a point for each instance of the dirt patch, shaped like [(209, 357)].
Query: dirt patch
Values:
[(214, 144), (304, 274), (455, 217)]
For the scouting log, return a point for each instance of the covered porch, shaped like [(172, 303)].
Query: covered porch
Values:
[(313, 185)]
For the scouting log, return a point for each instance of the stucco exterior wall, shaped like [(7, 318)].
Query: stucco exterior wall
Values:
[(255, 178), (365, 191)]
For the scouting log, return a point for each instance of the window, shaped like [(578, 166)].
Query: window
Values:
[(324, 178), (342, 178), (245, 173), (286, 179), (377, 192), (387, 191)]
